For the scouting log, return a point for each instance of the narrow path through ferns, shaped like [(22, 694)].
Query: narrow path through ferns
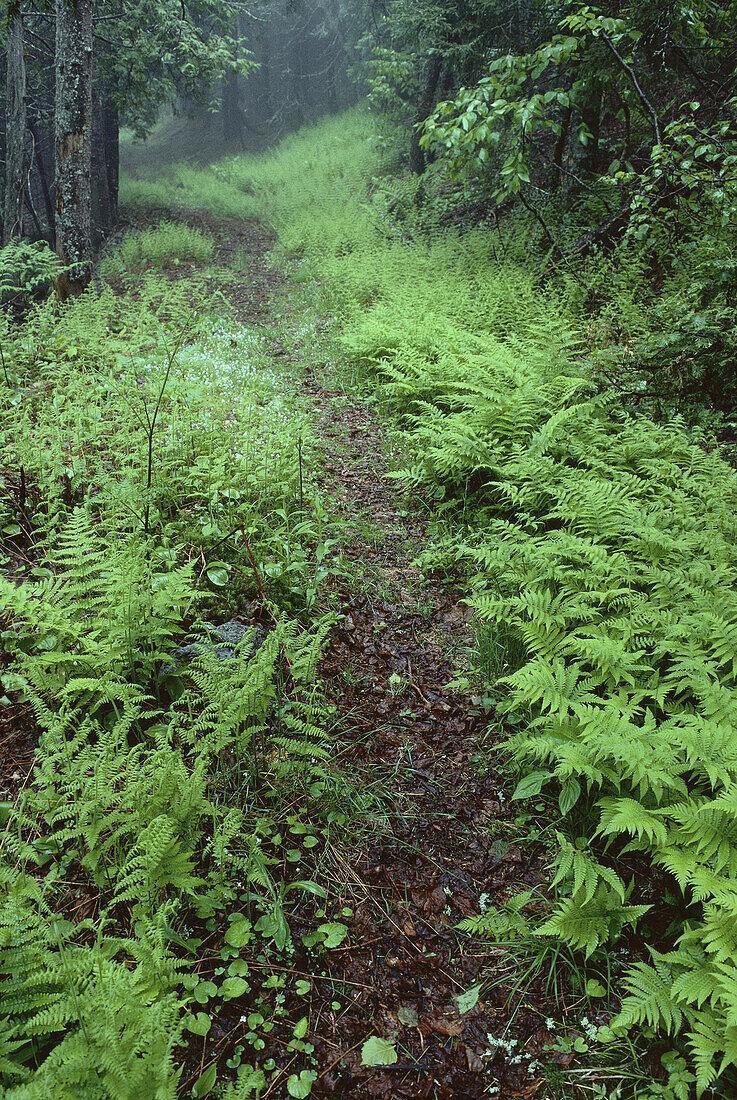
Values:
[(230, 879)]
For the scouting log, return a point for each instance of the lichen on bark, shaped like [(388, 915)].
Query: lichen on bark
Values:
[(73, 132)]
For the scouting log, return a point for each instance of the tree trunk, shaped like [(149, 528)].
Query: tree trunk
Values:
[(560, 149), (43, 180), (417, 161), (105, 160), (588, 156), (232, 118), (73, 132), (16, 165)]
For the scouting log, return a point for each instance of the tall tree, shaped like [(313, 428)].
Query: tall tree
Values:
[(16, 166), (73, 133)]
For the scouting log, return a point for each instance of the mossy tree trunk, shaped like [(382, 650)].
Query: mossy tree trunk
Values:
[(73, 133), (16, 165)]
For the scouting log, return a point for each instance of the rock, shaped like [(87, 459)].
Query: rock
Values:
[(230, 635)]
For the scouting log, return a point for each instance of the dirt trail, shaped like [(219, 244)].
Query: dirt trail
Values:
[(448, 839)]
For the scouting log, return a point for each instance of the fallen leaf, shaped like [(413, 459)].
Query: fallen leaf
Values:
[(378, 1052), (442, 1025), (468, 1000)]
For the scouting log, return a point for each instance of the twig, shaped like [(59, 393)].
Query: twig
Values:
[(640, 94)]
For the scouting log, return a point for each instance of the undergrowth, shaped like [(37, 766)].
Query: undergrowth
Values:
[(167, 243), (599, 551), (147, 819), (160, 865), (599, 547)]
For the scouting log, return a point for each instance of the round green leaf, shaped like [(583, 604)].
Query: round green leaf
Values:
[(239, 934), (301, 1086), (218, 574), (199, 1024), (233, 987), (333, 934), (204, 991)]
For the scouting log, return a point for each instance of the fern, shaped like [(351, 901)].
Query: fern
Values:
[(105, 619), (583, 871), (604, 547), (650, 997), (587, 923), (506, 924)]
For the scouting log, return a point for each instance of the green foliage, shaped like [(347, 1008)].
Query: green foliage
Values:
[(27, 271), (79, 1019), (107, 617), (161, 49), (168, 465), (608, 552), (166, 244), (601, 544), (499, 123), (95, 383), (130, 796)]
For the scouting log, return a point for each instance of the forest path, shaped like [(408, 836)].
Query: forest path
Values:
[(446, 838)]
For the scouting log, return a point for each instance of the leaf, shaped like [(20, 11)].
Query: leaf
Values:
[(204, 991), (468, 1000), (308, 886), (233, 987), (595, 989), (333, 934), (239, 934), (300, 1028), (301, 1086), (199, 1024), (531, 784), (378, 1052), (12, 681), (218, 574), (569, 795), (206, 1082)]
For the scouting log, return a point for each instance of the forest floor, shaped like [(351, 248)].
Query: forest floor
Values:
[(448, 843)]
